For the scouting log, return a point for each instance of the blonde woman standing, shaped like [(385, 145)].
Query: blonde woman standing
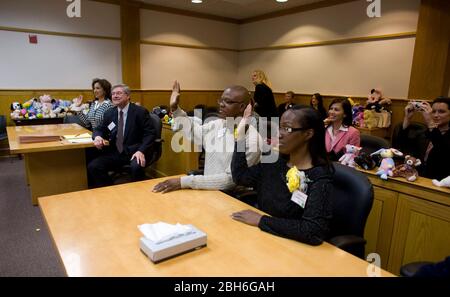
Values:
[(264, 100)]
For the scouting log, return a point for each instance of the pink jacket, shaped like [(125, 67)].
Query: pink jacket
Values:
[(342, 138)]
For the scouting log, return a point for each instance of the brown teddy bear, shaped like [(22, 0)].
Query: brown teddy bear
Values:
[(407, 170)]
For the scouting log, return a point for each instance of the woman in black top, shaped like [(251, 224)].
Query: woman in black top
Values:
[(317, 103), (436, 163), (264, 100), (302, 140)]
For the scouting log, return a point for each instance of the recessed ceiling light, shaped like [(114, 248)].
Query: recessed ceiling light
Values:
[(282, 0), (196, 1)]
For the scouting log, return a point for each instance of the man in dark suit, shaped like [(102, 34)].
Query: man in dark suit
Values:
[(128, 129)]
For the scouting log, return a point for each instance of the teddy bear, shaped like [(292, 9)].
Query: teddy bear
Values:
[(407, 170), (387, 163), (46, 101), (443, 183), (348, 159)]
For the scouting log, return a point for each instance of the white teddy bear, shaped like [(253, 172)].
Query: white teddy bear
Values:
[(351, 152)]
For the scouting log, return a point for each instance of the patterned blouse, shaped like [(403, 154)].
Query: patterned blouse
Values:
[(94, 116)]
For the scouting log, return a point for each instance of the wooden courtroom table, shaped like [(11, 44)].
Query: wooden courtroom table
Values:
[(95, 232), (52, 167), (409, 221)]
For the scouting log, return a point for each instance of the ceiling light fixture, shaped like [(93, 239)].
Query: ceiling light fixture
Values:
[(196, 1), (282, 1)]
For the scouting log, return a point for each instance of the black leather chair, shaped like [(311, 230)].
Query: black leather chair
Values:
[(413, 141), (411, 269), (427, 269), (3, 134), (370, 143), (352, 199), (152, 154)]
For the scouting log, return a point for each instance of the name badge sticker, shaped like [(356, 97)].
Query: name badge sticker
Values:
[(299, 198), (111, 126), (221, 132)]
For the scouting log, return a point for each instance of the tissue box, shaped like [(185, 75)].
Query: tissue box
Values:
[(173, 247)]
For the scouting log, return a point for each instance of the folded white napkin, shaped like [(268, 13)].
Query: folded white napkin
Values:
[(160, 232)]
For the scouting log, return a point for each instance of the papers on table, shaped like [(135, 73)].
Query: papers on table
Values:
[(78, 138)]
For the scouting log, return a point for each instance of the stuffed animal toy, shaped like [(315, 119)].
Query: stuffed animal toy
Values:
[(15, 106), (60, 111), (369, 119), (46, 101), (45, 111), (28, 104), (373, 100), (387, 163), (31, 113), (351, 151), (365, 161), (358, 116), (37, 105), (166, 118), (350, 100), (160, 112), (443, 183), (407, 170), (16, 114)]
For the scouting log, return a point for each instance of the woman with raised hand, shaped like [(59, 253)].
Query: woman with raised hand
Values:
[(436, 116), (102, 94)]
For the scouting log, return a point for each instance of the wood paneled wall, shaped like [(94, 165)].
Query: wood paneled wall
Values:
[(430, 72), (131, 47), (188, 99)]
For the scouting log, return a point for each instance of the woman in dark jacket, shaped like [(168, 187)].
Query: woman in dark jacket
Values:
[(264, 100), (293, 191), (317, 103), (436, 163)]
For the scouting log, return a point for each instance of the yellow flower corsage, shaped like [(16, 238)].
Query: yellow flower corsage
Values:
[(296, 180), (293, 179)]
